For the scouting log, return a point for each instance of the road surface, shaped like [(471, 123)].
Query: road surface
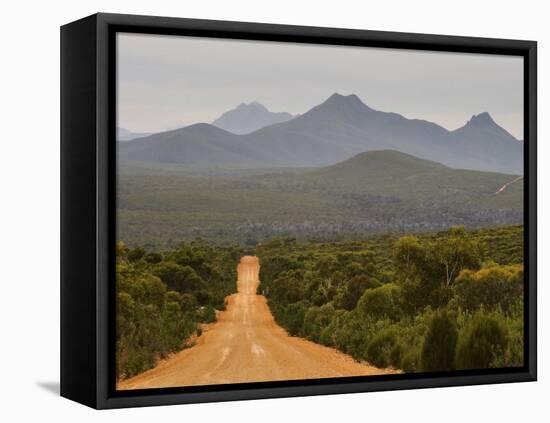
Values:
[(246, 345)]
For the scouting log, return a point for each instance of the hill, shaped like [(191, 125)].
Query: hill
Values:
[(392, 173), (374, 192), (200, 144)]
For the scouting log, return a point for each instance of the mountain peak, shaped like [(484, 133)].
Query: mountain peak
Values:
[(350, 99), (249, 117), (481, 119), (348, 106), (252, 105)]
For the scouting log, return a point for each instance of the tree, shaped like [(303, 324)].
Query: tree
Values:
[(439, 348), (410, 258), (426, 271), (457, 252)]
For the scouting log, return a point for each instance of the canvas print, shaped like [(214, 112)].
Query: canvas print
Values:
[(297, 211)]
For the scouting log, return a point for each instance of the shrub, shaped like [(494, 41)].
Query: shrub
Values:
[(136, 254), (492, 286), (207, 314), (355, 288), (286, 290), (396, 355), (351, 334), (481, 342), (379, 350), (310, 329), (316, 319), (514, 353), (292, 317), (439, 348), (379, 303), (411, 360), (153, 258)]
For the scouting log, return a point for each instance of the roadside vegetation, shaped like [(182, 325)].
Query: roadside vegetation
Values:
[(419, 303), (162, 297)]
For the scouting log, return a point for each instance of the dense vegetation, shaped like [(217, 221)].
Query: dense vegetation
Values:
[(432, 302), (163, 296), (371, 193)]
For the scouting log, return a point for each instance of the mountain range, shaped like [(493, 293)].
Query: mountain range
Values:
[(123, 134), (250, 117), (339, 128)]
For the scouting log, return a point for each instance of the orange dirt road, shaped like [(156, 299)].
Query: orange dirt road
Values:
[(246, 345)]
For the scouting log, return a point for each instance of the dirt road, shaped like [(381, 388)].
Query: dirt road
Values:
[(506, 185), (246, 345)]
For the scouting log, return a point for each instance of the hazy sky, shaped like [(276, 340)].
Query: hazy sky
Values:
[(165, 82)]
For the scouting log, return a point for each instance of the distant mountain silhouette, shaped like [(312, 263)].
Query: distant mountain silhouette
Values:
[(483, 139), (247, 118), (333, 131), (126, 135), (199, 144)]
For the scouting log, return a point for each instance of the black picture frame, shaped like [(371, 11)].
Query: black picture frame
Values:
[(88, 182)]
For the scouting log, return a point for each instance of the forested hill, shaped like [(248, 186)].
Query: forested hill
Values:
[(373, 192)]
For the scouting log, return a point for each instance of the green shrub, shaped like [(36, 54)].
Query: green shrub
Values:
[(396, 355), (411, 360), (310, 328), (286, 290), (380, 303), (351, 333), (514, 352), (179, 278), (379, 350), (354, 289), (153, 258), (481, 342), (136, 254), (294, 315), (316, 319), (439, 348), (492, 286), (207, 314)]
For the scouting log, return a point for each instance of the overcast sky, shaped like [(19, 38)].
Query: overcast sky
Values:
[(165, 82)]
